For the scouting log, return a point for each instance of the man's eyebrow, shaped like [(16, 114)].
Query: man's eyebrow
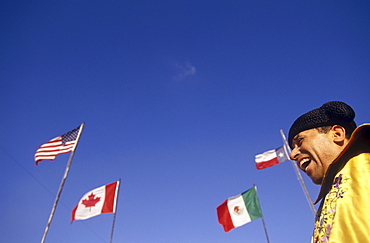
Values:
[(296, 137)]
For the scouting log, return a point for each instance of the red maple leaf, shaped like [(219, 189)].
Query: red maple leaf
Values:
[(91, 202)]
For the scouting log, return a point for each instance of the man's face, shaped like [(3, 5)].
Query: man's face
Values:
[(314, 152)]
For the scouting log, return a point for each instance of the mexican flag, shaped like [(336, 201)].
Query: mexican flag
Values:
[(97, 201), (239, 210)]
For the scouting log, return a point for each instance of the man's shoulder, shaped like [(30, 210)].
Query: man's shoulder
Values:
[(361, 131), (360, 138)]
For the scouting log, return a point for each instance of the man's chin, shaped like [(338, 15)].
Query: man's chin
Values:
[(316, 181)]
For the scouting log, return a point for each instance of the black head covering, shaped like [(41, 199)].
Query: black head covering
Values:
[(330, 113)]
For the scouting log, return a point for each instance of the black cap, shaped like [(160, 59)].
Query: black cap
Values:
[(330, 113)]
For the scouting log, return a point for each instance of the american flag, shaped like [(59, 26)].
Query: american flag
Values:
[(59, 145)]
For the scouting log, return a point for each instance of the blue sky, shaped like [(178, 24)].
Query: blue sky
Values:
[(177, 99)]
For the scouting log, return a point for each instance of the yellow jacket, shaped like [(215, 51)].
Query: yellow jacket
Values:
[(344, 212)]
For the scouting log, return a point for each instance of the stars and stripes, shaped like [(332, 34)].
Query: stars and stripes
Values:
[(59, 145)]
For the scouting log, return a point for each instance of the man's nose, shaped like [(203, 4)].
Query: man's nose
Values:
[(294, 153)]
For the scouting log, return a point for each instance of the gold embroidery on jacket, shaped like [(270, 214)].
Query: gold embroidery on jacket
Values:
[(324, 223)]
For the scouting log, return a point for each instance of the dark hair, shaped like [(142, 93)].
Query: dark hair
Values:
[(326, 129)]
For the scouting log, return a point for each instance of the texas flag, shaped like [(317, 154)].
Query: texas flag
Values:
[(271, 157), (98, 201)]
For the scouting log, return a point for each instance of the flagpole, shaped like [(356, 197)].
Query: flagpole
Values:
[(263, 220), (299, 176), (115, 212), (264, 226), (61, 185)]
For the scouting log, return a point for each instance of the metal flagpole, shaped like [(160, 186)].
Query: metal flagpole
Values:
[(263, 220), (61, 185), (264, 226), (115, 212), (299, 176)]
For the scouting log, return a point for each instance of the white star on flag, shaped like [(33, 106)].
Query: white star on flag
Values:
[(271, 157)]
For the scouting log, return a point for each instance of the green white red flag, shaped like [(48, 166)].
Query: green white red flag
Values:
[(98, 201), (239, 210)]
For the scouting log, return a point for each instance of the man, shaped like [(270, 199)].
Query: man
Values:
[(336, 155)]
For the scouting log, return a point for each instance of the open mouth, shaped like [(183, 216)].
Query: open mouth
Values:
[(303, 164)]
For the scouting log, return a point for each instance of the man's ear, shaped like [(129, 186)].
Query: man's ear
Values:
[(339, 134)]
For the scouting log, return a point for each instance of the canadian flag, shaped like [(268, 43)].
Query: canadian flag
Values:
[(98, 201)]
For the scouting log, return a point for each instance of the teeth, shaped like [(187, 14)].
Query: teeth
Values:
[(302, 162)]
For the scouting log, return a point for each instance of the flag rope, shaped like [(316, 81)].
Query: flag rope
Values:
[(299, 176), (46, 189), (61, 185)]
